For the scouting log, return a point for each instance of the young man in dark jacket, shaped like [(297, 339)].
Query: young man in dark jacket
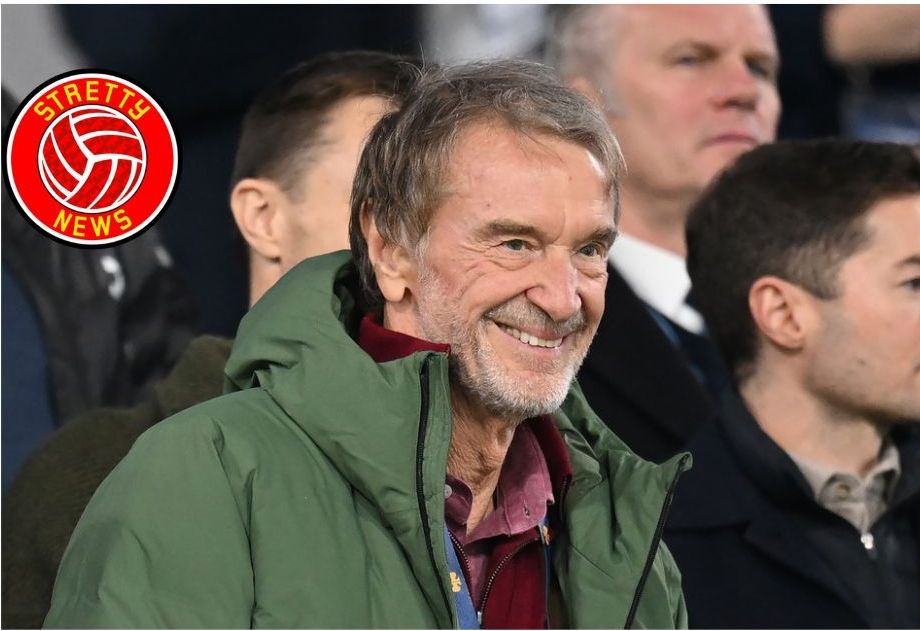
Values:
[(300, 145), (803, 508), (402, 445)]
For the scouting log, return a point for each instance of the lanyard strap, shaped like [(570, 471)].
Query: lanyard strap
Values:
[(466, 612)]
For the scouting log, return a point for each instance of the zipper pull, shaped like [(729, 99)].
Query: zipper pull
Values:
[(479, 617)]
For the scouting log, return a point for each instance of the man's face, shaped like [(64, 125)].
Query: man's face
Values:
[(693, 88), (866, 357), (513, 271), (317, 213)]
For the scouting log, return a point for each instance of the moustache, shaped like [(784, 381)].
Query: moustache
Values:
[(520, 314)]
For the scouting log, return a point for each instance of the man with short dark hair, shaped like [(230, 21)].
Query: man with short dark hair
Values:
[(402, 445), (803, 508), (686, 89), (298, 152)]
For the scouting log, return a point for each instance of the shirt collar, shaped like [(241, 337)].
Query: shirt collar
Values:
[(887, 470), (525, 492), (384, 345), (658, 277)]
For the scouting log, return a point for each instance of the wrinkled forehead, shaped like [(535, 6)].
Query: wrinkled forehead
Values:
[(651, 27), (520, 148)]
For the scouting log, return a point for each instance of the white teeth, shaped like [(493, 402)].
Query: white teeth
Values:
[(529, 339)]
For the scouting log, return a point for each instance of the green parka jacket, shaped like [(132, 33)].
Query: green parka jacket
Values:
[(313, 495)]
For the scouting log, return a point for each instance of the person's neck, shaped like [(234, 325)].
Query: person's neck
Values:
[(812, 428), (478, 446), (262, 275), (655, 219)]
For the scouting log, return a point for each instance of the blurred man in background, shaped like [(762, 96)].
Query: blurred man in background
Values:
[(82, 328), (686, 90), (299, 149), (802, 510), (198, 61)]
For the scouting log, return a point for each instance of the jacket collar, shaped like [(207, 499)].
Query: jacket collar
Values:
[(736, 442), (730, 489), (765, 463), (776, 474), (614, 508), (907, 439), (744, 481)]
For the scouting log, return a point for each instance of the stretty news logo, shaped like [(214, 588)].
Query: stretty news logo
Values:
[(91, 159)]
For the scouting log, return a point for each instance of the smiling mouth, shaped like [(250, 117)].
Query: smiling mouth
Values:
[(530, 340)]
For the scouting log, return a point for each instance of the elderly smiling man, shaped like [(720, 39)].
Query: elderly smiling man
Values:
[(402, 445)]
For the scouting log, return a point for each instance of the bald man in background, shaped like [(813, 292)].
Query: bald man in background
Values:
[(686, 89)]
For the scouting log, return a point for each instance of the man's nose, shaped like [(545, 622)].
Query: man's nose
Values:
[(555, 286), (737, 86)]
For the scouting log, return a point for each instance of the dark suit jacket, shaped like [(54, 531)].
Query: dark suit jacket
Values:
[(639, 382), (745, 530)]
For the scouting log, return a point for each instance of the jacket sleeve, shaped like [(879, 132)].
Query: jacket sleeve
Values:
[(164, 542)]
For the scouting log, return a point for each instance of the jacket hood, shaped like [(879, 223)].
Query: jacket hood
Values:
[(299, 343)]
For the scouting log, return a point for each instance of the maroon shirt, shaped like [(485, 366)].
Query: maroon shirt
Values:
[(503, 557), (525, 493)]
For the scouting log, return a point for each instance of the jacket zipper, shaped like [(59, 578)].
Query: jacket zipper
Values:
[(419, 477), (563, 491), (463, 557), (498, 569), (468, 573), (501, 564), (653, 550)]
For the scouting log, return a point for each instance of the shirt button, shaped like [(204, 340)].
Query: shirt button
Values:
[(448, 491), (843, 492)]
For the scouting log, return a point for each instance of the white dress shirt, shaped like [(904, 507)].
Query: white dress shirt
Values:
[(659, 278)]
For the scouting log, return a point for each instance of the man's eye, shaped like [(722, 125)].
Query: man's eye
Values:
[(516, 245), (913, 284), (688, 60), (592, 249), (761, 70)]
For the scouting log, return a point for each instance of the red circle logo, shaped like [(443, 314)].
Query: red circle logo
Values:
[(91, 159)]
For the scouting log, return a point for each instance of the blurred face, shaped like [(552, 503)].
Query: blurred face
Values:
[(866, 357), (317, 212), (513, 271), (694, 88)]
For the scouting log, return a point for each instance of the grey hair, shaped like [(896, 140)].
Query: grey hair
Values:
[(582, 42), (401, 176)]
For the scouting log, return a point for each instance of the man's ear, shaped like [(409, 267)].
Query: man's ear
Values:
[(255, 206), (783, 312), (395, 269)]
